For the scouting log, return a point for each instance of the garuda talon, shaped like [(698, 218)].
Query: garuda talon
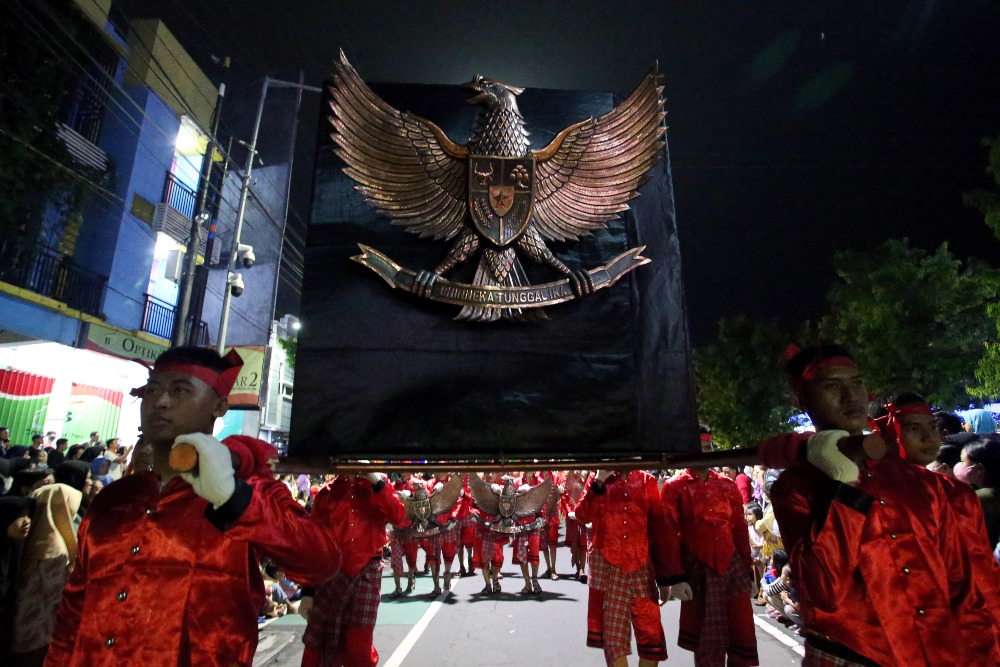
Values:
[(508, 506), (423, 509), (495, 196)]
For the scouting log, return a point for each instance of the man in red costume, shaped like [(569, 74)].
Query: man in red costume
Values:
[(878, 554), (487, 553), (633, 554), (341, 619), (707, 510), (442, 547), (173, 557)]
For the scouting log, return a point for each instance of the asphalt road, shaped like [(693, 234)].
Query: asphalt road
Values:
[(466, 628)]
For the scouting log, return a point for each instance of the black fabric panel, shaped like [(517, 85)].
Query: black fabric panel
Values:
[(382, 374)]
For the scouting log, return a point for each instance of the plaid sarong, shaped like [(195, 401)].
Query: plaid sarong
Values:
[(443, 544), (526, 546), (550, 532), (613, 630), (714, 622), (341, 600), (467, 526), (493, 548), (399, 547)]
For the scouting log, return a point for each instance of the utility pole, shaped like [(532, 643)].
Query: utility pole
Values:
[(181, 330), (241, 210)]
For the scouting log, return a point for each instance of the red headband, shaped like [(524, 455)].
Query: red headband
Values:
[(813, 367), (220, 382)]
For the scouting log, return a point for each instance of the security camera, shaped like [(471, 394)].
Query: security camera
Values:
[(236, 284), (246, 256)]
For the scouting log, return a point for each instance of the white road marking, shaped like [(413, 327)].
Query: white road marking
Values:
[(404, 648), (779, 635)]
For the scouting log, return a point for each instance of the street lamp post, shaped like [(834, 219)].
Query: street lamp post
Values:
[(241, 210)]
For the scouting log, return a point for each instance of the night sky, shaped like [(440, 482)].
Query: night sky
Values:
[(796, 128)]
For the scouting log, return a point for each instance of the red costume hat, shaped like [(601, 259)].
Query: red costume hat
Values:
[(221, 382), (889, 426)]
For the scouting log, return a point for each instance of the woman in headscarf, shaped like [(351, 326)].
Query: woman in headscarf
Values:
[(100, 470), (15, 522), (46, 561)]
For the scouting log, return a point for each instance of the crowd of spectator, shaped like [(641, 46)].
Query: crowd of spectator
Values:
[(45, 489)]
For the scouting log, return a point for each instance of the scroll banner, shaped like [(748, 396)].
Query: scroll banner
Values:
[(246, 391), (531, 296)]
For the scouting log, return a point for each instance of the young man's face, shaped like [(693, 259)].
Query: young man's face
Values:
[(729, 472), (174, 404), (836, 399), (94, 437), (920, 438), (5, 434)]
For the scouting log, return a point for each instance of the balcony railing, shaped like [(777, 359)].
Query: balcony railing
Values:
[(50, 274), (180, 197), (158, 319)]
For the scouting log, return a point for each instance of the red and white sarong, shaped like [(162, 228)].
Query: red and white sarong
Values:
[(620, 602)]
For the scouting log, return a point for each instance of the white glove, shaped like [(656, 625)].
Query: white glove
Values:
[(373, 477), (822, 452), (496, 488), (571, 515), (405, 494), (305, 606), (681, 591), (602, 475), (214, 480), (438, 487), (523, 488)]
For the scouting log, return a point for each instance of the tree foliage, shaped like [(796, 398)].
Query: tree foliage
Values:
[(915, 320), (290, 346), (741, 391), (988, 201)]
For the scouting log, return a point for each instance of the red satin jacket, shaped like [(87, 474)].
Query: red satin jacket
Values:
[(180, 579), (630, 528), (709, 516), (355, 512), (883, 568)]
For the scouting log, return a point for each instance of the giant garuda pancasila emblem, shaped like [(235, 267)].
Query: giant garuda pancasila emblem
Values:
[(423, 509), (496, 197), (509, 506)]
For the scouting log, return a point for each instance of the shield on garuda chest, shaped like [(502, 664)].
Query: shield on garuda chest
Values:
[(506, 505), (501, 196), (422, 509)]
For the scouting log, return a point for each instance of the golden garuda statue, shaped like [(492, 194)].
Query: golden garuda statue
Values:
[(496, 197)]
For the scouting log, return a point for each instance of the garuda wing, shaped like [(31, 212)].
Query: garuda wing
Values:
[(576, 483), (533, 500), (404, 165), (444, 500), (483, 494), (591, 169), (408, 504)]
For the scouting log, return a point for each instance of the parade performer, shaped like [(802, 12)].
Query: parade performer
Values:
[(527, 545), (633, 555), (172, 557), (341, 611), (707, 509), (578, 535), (508, 510), (467, 531), (430, 512), (401, 545), (557, 506), (877, 551)]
